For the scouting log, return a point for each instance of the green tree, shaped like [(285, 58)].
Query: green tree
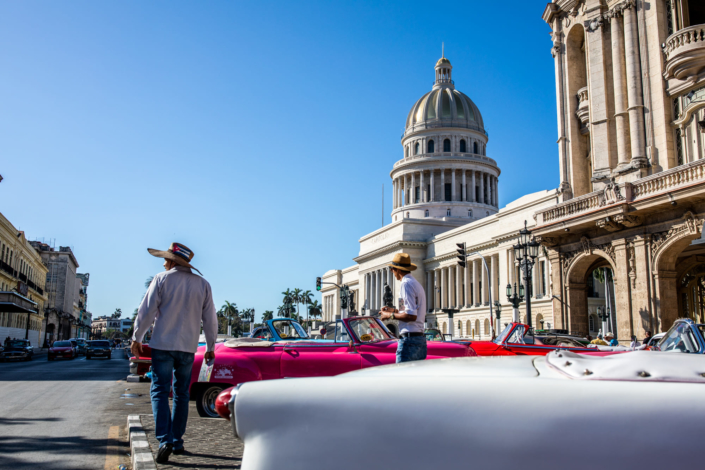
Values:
[(267, 315), (306, 298), (296, 297), (117, 313), (314, 309)]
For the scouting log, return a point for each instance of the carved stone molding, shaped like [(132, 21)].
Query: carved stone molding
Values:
[(587, 248), (628, 220), (632, 265), (608, 224), (616, 11), (689, 226), (547, 241), (611, 194)]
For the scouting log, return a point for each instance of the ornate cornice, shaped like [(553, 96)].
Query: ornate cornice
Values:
[(594, 24), (391, 247)]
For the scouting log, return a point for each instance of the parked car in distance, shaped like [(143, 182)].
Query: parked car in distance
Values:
[(519, 339), (479, 393), (80, 345), (684, 336), (433, 334), (62, 349), (98, 348), (353, 343), (17, 349), (282, 329)]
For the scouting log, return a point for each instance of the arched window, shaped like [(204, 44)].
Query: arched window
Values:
[(416, 149), (448, 213), (487, 327), (539, 319), (445, 328), (469, 212), (431, 146), (407, 151), (591, 319), (407, 215), (477, 327), (463, 146), (487, 212), (460, 328), (474, 147), (426, 213), (446, 145)]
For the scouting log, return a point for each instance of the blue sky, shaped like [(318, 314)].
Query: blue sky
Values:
[(259, 134)]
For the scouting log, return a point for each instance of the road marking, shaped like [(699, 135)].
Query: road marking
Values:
[(112, 457)]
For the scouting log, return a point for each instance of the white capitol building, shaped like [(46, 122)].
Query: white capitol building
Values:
[(445, 191), (630, 102)]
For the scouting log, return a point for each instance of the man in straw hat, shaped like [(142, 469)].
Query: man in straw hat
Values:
[(177, 302), (411, 313)]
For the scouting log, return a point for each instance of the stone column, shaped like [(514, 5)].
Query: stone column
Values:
[(494, 266), (372, 292), (490, 197), (600, 132), (639, 269), (476, 281), (429, 290), (443, 288), (482, 188), (394, 194), (436, 285), (413, 187), (380, 290), (464, 192), (622, 292), (472, 192), (443, 184), (636, 102), (453, 191), (433, 186), (468, 280), (620, 92), (485, 285), (451, 287), (422, 184)]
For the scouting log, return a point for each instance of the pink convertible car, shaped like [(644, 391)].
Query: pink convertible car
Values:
[(356, 343)]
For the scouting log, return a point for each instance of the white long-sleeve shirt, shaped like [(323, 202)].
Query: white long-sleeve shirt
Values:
[(177, 302), (412, 302)]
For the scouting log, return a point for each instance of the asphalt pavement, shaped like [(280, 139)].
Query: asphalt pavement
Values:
[(66, 414)]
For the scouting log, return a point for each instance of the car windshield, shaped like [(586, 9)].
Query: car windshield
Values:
[(288, 329), (62, 344), (262, 333), (368, 329), (500, 339), (99, 344), (18, 344), (680, 338), (433, 335)]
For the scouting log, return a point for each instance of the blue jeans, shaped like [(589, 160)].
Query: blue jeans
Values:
[(170, 426), (411, 348)]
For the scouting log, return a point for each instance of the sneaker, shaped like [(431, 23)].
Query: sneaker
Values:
[(164, 453), (179, 451)]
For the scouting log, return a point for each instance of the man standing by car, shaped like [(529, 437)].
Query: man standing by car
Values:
[(177, 302), (411, 313)]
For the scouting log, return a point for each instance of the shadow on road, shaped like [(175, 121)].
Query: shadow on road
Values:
[(11, 421), (52, 448)]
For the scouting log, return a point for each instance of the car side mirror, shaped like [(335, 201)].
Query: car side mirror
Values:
[(352, 346)]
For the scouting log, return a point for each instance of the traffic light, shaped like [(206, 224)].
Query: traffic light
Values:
[(318, 283), (461, 254)]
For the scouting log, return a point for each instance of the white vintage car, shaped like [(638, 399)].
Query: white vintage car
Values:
[(635, 410)]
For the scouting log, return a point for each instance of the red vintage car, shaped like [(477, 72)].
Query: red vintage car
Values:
[(356, 343), (518, 339), (62, 349)]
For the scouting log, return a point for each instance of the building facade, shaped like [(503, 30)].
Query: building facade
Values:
[(630, 89), (22, 278), (62, 312)]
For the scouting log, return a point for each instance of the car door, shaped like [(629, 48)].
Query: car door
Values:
[(312, 359)]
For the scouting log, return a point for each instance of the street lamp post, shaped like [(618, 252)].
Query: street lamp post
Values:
[(525, 252), (515, 298), (497, 313), (604, 315)]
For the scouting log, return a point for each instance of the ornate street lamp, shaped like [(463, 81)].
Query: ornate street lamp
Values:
[(525, 252), (497, 312)]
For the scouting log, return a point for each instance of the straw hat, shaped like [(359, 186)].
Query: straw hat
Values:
[(178, 253), (402, 262), (609, 335)]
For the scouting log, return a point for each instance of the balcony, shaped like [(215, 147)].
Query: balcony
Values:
[(7, 268), (685, 53)]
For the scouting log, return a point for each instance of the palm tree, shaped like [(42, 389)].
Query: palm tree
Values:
[(228, 310), (296, 297), (314, 309), (267, 315), (148, 282), (306, 297)]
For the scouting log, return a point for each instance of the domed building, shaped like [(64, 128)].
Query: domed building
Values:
[(445, 171)]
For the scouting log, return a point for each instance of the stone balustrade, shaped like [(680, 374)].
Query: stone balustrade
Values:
[(660, 183), (685, 52), (459, 156)]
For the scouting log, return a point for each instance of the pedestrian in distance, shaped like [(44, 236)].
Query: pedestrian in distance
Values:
[(411, 313), (599, 341), (648, 337), (609, 337), (176, 304)]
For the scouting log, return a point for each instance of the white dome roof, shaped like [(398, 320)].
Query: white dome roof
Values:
[(444, 106)]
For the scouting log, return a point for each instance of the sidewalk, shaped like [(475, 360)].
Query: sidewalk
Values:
[(209, 443)]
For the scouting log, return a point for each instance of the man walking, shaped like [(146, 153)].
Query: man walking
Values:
[(177, 302), (411, 313)]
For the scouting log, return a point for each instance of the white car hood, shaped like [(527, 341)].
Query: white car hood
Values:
[(484, 413)]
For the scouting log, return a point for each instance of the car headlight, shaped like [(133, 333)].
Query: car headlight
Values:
[(231, 407)]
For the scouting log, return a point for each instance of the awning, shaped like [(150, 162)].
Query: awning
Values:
[(14, 302)]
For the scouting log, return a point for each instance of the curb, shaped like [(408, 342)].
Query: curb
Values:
[(142, 458)]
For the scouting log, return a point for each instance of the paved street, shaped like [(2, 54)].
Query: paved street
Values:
[(65, 414)]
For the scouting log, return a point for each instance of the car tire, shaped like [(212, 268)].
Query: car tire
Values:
[(205, 401), (110, 356), (88, 358), (49, 358)]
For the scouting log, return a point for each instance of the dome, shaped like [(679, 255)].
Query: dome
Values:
[(444, 106)]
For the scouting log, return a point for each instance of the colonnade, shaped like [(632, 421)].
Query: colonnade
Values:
[(458, 144), (457, 287), (374, 288), (420, 186)]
